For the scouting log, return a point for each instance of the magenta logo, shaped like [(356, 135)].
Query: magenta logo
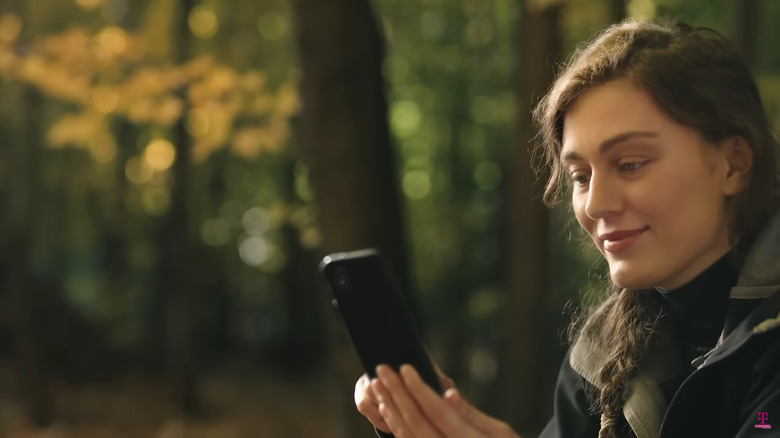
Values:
[(763, 417)]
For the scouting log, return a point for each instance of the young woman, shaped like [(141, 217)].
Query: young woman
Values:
[(658, 133)]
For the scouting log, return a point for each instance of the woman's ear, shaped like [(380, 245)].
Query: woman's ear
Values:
[(739, 161)]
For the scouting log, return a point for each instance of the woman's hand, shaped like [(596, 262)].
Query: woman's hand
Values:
[(411, 409), (368, 404)]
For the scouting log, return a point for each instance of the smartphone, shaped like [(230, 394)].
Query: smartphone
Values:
[(366, 296)]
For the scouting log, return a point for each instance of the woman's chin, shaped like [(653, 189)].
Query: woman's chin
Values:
[(628, 281)]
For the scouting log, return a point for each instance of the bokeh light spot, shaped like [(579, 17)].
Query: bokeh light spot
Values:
[(310, 237), (483, 365), (416, 184), (10, 28), (82, 290), (405, 118), (112, 39), (137, 171), (254, 250), (417, 153), (203, 22), (105, 99), (160, 154), (302, 186), (89, 5), (487, 175), (255, 221)]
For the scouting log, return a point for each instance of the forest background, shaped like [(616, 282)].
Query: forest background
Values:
[(172, 171)]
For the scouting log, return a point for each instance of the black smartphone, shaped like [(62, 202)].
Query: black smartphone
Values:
[(366, 296)]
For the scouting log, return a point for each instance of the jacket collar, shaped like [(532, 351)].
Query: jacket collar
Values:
[(758, 279), (762, 265), (646, 405)]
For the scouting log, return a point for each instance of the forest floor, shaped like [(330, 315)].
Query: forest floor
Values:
[(236, 405)]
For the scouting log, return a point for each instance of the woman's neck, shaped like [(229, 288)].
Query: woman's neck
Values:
[(699, 307)]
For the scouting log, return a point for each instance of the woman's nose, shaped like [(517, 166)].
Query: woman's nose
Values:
[(604, 198)]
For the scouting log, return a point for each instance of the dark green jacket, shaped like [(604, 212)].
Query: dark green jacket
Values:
[(732, 385)]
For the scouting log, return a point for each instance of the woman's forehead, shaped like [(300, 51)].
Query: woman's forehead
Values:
[(609, 112)]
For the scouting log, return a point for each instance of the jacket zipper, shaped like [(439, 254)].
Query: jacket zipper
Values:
[(674, 398), (698, 371)]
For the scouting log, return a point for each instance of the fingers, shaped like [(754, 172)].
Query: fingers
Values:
[(399, 408), (411, 409), (367, 403), (443, 417), (477, 419)]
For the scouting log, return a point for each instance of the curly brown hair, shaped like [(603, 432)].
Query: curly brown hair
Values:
[(697, 78)]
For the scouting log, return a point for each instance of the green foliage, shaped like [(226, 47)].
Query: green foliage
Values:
[(104, 149), (452, 111)]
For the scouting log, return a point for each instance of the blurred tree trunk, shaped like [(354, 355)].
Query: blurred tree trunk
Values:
[(113, 213), (747, 16), (178, 262), (216, 282), (306, 331), (176, 296), (184, 359), (348, 149), (521, 396), (34, 382)]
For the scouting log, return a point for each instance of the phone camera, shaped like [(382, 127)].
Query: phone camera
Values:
[(341, 278)]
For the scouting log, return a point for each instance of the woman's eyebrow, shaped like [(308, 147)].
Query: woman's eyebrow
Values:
[(569, 155)]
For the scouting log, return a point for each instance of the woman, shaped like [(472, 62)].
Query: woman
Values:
[(658, 133)]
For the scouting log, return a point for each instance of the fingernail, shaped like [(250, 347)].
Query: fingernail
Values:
[(383, 372), (407, 371), (377, 389)]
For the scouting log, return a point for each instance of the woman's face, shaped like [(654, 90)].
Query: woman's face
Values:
[(650, 192)]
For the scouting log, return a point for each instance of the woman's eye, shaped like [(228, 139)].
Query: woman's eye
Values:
[(630, 166), (580, 179)]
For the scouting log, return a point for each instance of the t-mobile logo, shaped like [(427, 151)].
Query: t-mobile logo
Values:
[(763, 417)]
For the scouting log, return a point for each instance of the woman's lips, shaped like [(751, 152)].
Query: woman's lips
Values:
[(617, 241)]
